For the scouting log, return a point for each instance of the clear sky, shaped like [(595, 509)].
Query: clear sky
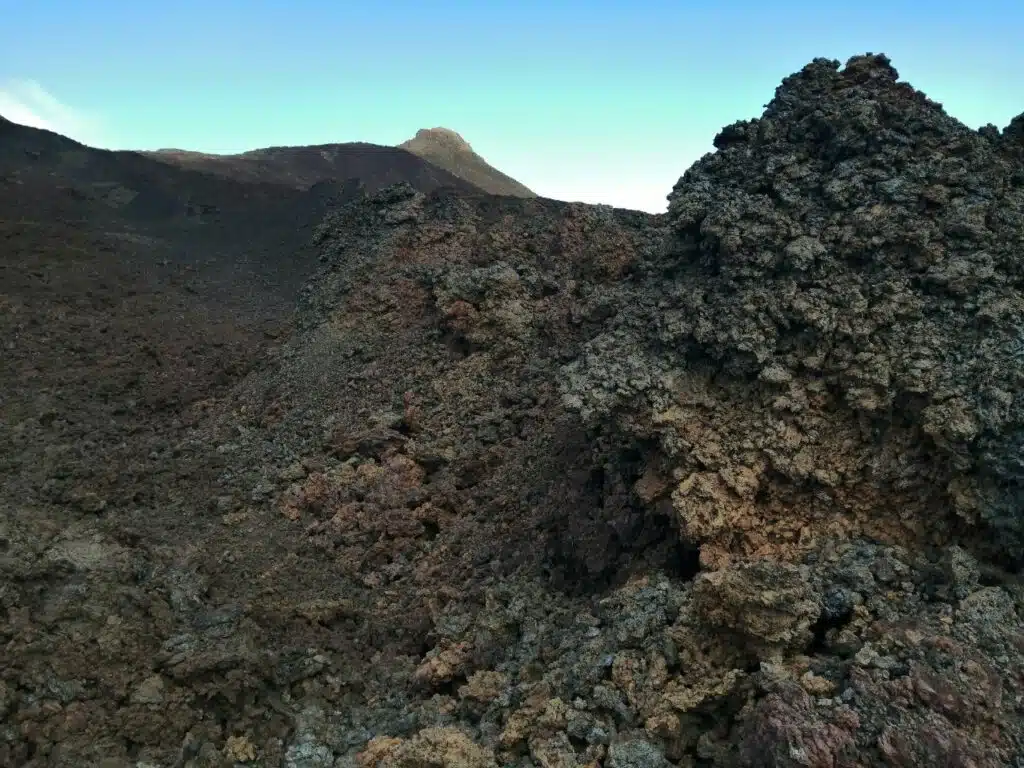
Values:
[(598, 101)]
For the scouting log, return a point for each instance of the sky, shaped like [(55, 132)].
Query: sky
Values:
[(601, 101)]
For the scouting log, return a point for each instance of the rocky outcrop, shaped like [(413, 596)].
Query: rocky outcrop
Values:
[(832, 341)]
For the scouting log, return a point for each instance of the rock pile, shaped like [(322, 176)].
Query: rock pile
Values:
[(833, 343)]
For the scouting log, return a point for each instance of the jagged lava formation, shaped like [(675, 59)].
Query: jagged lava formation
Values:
[(833, 341), (540, 484)]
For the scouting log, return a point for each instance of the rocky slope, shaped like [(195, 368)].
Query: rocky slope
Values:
[(301, 167), (547, 484), (447, 149)]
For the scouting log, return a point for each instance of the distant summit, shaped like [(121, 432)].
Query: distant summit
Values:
[(440, 137), (447, 149), (435, 157)]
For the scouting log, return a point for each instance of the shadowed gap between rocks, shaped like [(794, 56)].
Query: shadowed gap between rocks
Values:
[(599, 533)]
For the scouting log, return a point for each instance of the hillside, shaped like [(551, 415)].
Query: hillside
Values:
[(301, 167), (434, 158), (437, 478)]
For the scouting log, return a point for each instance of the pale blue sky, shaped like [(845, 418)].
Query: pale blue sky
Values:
[(596, 101)]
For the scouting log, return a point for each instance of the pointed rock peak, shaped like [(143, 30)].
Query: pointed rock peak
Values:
[(446, 149), (870, 66), (442, 137), (870, 73)]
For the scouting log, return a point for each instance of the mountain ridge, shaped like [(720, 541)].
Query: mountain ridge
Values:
[(376, 165), (432, 158), (447, 160)]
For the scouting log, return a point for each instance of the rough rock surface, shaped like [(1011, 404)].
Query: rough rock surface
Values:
[(536, 484), (833, 342)]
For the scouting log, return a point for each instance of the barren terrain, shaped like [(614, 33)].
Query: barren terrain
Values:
[(422, 477)]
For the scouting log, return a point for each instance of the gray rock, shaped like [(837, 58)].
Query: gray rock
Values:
[(636, 754)]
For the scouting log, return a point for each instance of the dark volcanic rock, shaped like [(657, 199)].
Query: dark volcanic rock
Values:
[(836, 332), (539, 484)]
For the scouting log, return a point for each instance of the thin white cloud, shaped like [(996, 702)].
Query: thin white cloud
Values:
[(28, 103)]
